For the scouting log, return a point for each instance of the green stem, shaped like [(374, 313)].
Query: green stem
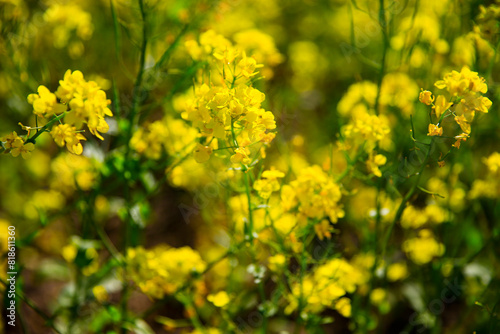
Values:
[(46, 127), (107, 242), (166, 55), (383, 25), (249, 200), (402, 206)]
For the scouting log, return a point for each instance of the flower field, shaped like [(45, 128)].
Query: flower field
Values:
[(237, 166)]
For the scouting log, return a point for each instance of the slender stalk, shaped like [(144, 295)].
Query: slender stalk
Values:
[(136, 101), (249, 201), (46, 127), (402, 206), (383, 25), (166, 55)]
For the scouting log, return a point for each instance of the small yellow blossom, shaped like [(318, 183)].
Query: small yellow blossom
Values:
[(343, 306), (45, 103), (378, 296), (268, 183), (65, 133), (423, 248), (220, 299), (426, 97), (276, 262), (397, 271), (435, 130), (461, 137), (100, 293), (323, 229), (374, 163), (441, 105), (19, 147), (240, 156), (202, 153), (9, 139)]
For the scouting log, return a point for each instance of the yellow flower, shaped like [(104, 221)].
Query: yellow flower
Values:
[(69, 252), (247, 66), (276, 262), (241, 156), (378, 296), (268, 183), (374, 163), (100, 293), (343, 306), (19, 147), (318, 196), (435, 130), (220, 299), (323, 229), (426, 97), (464, 125), (65, 133), (202, 153), (424, 248), (441, 105), (9, 139), (45, 103), (461, 137), (493, 162), (397, 272)]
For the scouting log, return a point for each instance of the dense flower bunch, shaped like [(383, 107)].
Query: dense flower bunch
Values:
[(424, 248), (227, 109), (490, 186), (162, 270), (169, 135), (327, 287), (315, 194), (76, 102), (62, 20), (465, 98)]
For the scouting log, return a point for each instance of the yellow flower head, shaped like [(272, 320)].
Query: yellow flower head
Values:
[(441, 105), (220, 299), (435, 130), (426, 97), (100, 293), (45, 103), (19, 147), (65, 133), (268, 183)]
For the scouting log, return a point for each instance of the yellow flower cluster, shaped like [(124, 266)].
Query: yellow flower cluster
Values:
[(315, 193), (62, 20), (87, 102), (173, 135), (87, 105), (268, 183), (487, 20), (16, 145), (71, 172), (465, 98), (86, 252), (490, 186), (366, 131), (161, 271), (423, 248), (326, 288), (226, 108), (232, 115), (414, 218), (398, 91)]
